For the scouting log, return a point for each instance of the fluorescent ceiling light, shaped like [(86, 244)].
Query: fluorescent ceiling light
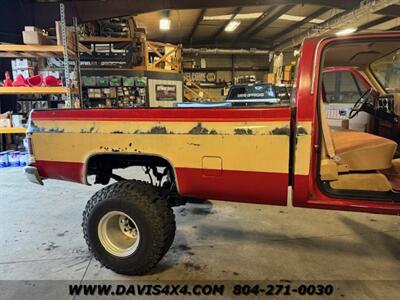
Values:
[(317, 21), (237, 17), (232, 25), (346, 31), (165, 24), (291, 18), (248, 16), (299, 18), (215, 18)]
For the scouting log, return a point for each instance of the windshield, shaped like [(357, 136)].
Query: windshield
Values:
[(252, 92), (387, 71)]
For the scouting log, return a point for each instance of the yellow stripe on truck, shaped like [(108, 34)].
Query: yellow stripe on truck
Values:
[(242, 146)]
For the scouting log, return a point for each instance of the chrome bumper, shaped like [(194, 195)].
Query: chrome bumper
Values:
[(33, 175)]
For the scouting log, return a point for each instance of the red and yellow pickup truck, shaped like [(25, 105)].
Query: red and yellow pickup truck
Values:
[(281, 154)]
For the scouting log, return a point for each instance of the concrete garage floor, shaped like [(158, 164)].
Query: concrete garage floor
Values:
[(41, 239)]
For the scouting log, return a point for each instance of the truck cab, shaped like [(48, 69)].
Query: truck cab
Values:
[(354, 146)]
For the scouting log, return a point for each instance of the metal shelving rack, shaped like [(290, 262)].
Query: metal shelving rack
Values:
[(47, 51)]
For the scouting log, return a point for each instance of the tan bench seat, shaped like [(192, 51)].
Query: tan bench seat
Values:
[(363, 151)]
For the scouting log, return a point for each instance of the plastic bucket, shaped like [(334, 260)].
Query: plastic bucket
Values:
[(4, 159), (50, 80), (36, 80), (19, 81), (23, 159), (13, 158)]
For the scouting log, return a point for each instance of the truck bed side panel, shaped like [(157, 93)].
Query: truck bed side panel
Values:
[(227, 154)]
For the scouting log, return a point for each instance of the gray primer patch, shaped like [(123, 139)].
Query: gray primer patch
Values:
[(34, 128), (243, 131), (158, 130), (301, 131), (55, 130), (281, 131), (91, 130), (198, 129)]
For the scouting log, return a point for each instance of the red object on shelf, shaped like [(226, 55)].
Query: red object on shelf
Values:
[(36, 80), (7, 81), (20, 81), (50, 80)]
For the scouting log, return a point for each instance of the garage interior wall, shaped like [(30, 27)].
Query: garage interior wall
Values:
[(229, 66)]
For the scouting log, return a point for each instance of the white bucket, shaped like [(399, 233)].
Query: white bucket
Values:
[(13, 158), (23, 159), (4, 159)]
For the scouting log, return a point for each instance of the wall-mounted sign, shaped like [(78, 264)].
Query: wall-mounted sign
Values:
[(166, 92), (201, 77)]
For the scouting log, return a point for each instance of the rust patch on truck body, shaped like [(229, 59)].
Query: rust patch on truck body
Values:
[(243, 131), (281, 131), (158, 130), (198, 129)]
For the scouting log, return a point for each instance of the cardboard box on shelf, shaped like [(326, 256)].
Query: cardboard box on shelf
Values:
[(5, 123), (288, 68), (5, 119), (31, 28), (270, 78), (34, 38), (287, 76)]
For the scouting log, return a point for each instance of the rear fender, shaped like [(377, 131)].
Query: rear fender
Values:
[(141, 155)]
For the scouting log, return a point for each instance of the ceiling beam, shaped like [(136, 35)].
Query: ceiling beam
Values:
[(375, 22), (255, 23), (347, 18), (397, 28), (196, 24), (320, 25), (297, 25), (227, 44), (222, 28), (44, 13), (269, 20)]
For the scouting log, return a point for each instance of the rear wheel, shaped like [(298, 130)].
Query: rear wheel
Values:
[(128, 226)]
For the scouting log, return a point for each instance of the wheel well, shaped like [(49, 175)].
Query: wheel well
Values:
[(102, 166)]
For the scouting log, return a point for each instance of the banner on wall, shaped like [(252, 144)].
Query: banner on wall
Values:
[(201, 77)]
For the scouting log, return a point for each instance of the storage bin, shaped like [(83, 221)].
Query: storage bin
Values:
[(13, 158), (4, 159), (23, 159)]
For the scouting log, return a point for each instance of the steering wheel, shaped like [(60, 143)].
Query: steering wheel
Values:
[(360, 103)]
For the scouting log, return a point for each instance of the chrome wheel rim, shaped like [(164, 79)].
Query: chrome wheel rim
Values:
[(118, 234)]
